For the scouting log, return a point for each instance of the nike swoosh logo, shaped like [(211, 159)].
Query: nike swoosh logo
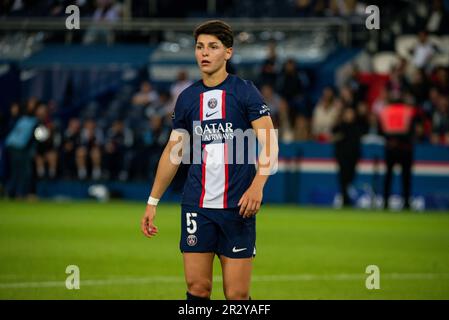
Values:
[(238, 250), (210, 114)]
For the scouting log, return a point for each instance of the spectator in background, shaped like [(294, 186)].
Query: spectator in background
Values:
[(440, 80), (15, 113), (397, 84), (145, 96), (286, 125), (273, 100), (7, 123), (162, 107), (347, 97), (325, 115), (346, 135), (71, 141), (399, 145), (353, 81), (182, 82), (380, 102), (419, 87), (346, 7), (20, 144), (429, 105), (14, 7), (107, 12), (88, 154), (437, 19), (268, 74), (31, 106), (153, 140), (440, 121), (48, 141), (423, 51), (56, 8), (290, 84), (291, 87), (117, 151)]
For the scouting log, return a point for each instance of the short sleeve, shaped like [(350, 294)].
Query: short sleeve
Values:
[(178, 115), (255, 105)]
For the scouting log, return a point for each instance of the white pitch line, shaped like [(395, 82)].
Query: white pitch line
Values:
[(260, 278)]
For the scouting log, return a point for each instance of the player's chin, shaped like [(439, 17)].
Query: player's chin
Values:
[(208, 69)]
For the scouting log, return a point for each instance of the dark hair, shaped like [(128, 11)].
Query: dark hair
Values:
[(216, 28)]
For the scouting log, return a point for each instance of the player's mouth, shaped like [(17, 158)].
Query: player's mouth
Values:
[(205, 62)]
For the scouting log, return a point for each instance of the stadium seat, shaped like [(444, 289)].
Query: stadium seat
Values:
[(441, 60), (445, 44), (404, 43), (383, 61)]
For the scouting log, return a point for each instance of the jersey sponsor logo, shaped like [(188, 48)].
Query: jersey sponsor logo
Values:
[(212, 103), (235, 250), (214, 131), (192, 240)]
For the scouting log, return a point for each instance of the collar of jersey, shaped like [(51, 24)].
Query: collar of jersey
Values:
[(218, 85)]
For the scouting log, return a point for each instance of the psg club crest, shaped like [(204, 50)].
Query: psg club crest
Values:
[(212, 103), (191, 240)]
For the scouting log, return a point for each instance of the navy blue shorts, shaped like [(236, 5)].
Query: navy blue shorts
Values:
[(222, 231)]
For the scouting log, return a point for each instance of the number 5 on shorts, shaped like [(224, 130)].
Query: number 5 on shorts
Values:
[(191, 223)]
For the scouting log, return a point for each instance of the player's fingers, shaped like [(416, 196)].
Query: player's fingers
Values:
[(249, 209), (151, 225), (144, 228), (257, 206), (243, 206), (153, 230), (241, 199), (254, 207)]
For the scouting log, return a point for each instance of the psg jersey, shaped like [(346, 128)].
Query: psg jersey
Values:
[(218, 121)]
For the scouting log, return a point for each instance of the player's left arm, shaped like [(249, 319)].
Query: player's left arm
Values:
[(266, 165)]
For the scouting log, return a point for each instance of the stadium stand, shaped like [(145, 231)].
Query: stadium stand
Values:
[(108, 103)]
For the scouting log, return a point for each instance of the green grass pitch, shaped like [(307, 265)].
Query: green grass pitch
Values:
[(302, 253)]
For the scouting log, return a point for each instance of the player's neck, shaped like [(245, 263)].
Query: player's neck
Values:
[(214, 79)]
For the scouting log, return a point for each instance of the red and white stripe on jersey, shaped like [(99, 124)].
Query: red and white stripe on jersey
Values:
[(214, 180)]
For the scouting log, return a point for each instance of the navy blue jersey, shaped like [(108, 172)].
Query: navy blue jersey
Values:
[(214, 117)]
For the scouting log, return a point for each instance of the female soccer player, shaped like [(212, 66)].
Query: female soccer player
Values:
[(222, 193)]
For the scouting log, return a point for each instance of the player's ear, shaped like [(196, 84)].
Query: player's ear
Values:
[(228, 53)]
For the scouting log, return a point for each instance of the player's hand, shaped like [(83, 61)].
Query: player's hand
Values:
[(250, 202), (147, 224)]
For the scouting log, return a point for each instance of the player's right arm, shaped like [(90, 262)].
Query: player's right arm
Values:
[(166, 170)]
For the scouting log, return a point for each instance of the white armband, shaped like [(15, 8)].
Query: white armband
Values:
[(152, 201)]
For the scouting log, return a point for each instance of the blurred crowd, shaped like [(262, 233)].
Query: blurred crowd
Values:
[(84, 147), (113, 10), (415, 82), (124, 142), (127, 146)]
